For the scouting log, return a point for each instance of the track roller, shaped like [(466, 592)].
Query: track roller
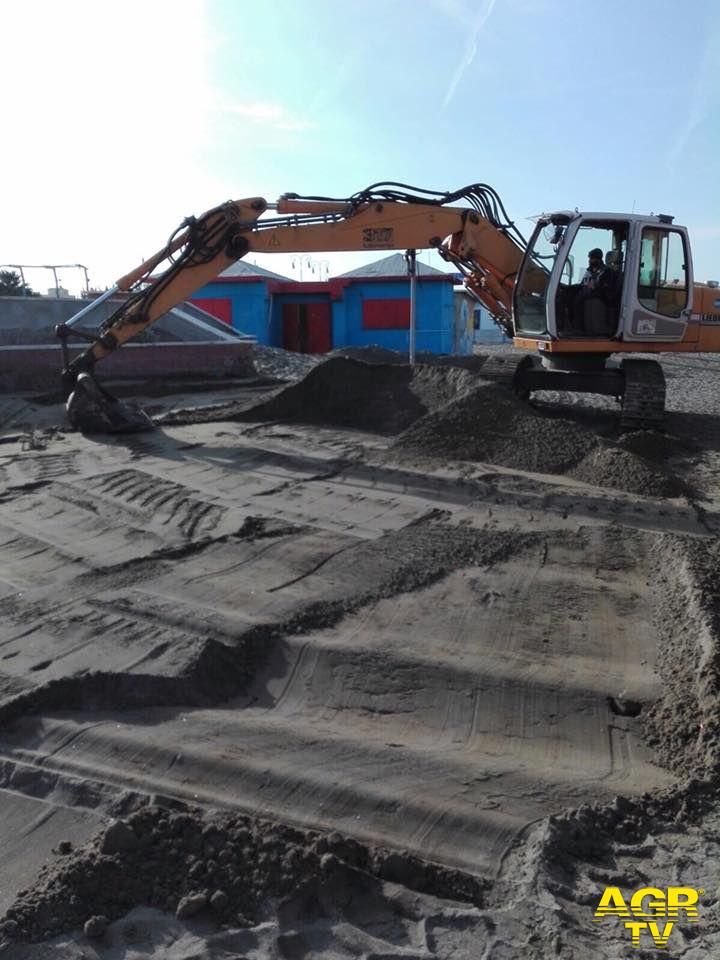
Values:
[(505, 371)]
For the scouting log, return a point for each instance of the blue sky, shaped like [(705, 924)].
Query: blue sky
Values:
[(141, 113)]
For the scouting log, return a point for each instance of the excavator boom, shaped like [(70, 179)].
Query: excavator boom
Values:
[(477, 238)]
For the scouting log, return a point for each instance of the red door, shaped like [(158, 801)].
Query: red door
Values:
[(319, 328), (307, 327), (291, 326)]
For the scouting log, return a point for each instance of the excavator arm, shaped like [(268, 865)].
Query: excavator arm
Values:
[(477, 238)]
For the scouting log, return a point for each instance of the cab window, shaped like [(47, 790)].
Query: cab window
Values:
[(662, 279), (534, 279), (589, 294)]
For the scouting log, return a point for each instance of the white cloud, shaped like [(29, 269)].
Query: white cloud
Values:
[(271, 115)]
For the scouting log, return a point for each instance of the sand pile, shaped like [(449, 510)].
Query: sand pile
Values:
[(283, 364), (491, 425), (443, 411), (659, 448), (341, 392), (640, 462), (383, 398), (222, 867), (376, 354), (610, 465)]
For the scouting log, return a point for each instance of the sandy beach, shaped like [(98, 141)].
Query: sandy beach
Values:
[(374, 662)]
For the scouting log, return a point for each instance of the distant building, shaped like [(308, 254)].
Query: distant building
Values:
[(375, 307), (368, 305), (473, 323), (240, 297), (466, 319), (486, 330), (185, 341)]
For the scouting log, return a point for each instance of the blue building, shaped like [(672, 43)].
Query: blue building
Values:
[(375, 307), (240, 297), (473, 324), (366, 306)]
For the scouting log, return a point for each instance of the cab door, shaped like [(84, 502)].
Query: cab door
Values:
[(657, 300)]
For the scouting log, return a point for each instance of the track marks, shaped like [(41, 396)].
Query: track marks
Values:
[(166, 502), (158, 644)]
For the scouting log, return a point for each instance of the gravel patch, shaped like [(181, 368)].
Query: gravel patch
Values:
[(283, 364), (612, 466)]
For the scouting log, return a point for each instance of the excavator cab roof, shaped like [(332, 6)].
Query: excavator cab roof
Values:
[(561, 218)]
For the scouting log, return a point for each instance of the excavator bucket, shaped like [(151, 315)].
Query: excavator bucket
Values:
[(91, 409)]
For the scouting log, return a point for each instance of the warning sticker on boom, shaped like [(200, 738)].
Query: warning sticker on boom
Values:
[(646, 325)]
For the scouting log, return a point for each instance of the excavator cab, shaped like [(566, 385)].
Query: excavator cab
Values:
[(637, 298), (643, 294)]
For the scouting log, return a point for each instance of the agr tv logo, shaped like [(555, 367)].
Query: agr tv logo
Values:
[(650, 912)]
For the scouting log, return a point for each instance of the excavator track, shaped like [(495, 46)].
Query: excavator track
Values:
[(639, 385), (643, 400), (503, 370)]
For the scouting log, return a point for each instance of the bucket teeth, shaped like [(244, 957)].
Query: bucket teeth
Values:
[(91, 409)]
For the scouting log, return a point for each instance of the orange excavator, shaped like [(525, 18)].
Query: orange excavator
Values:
[(636, 296)]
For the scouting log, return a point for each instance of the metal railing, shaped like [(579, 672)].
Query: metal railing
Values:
[(21, 267)]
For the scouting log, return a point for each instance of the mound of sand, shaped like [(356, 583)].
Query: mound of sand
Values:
[(612, 466), (380, 397), (384, 398), (376, 354), (490, 425), (447, 412), (659, 447)]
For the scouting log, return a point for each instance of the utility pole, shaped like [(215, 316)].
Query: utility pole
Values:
[(411, 260)]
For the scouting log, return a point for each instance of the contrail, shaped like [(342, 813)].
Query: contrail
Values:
[(700, 102), (470, 49)]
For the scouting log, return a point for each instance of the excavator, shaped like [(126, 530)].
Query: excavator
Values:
[(575, 336)]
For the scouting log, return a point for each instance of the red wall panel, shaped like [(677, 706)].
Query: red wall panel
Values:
[(386, 314), (220, 307)]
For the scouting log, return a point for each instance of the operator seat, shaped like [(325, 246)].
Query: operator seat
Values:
[(599, 313), (596, 317), (614, 285)]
